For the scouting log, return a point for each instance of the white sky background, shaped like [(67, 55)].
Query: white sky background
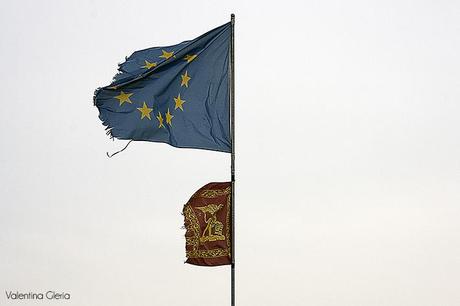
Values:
[(348, 156)]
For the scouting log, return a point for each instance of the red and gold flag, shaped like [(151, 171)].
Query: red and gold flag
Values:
[(208, 223)]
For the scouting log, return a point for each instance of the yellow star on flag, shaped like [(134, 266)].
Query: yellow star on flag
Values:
[(185, 78), (160, 119), (179, 103), (124, 97), (149, 65), (169, 118), (166, 54), (190, 58), (145, 111)]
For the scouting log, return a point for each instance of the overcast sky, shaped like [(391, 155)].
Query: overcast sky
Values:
[(348, 156)]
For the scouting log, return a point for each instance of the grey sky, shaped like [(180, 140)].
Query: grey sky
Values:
[(348, 156)]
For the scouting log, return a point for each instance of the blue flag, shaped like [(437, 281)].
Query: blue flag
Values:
[(176, 94)]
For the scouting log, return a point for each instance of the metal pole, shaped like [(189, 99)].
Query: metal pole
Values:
[(232, 135)]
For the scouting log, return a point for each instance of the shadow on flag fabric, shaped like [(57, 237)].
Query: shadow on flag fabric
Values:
[(176, 94), (207, 218)]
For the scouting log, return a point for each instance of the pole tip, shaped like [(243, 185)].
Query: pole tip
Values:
[(232, 16)]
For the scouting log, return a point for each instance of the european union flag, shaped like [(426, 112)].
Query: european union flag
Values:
[(176, 94)]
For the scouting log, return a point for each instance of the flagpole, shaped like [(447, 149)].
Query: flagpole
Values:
[(232, 135)]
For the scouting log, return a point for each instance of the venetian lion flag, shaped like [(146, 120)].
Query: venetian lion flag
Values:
[(175, 94), (208, 223)]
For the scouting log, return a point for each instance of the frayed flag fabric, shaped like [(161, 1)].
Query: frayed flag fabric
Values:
[(177, 94)]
